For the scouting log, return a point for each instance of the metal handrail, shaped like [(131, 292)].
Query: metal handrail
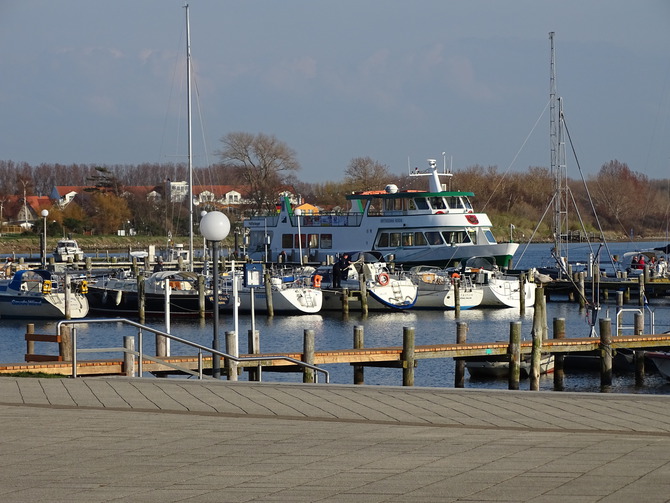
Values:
[(199, 347)]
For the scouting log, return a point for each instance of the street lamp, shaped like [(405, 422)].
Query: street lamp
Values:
[(215, 226), (297, 214), (45, 214)]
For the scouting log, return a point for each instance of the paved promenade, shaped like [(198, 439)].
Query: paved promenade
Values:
[(169, 440)]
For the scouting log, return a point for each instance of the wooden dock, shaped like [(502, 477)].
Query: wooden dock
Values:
[(384, 356)]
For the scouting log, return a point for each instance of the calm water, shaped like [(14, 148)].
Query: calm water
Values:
[(334, 331)]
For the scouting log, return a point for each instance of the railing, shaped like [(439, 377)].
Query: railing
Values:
[(141, 355)]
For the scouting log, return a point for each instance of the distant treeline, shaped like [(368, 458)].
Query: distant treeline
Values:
[(625, 202)]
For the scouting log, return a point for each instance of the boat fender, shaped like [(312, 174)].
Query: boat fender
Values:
[(317, 281), (46, 287), (383, 279), (119, 295), (84, 287)]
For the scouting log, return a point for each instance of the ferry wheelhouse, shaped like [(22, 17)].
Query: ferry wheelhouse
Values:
[(434, 227)]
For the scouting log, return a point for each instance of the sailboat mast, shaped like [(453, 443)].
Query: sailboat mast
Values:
[(558, 166), (553, 136), (190, 143)]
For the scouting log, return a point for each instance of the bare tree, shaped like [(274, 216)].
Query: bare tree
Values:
[(264, 163), (364, 173)]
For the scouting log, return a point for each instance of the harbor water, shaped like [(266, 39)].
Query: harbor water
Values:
[(334, 330)]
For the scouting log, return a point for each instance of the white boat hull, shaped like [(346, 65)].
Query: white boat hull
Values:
[(507, 293), (292, 300)]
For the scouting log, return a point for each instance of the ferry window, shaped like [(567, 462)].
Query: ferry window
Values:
[(438, 203), (472, 235), (287, 240), (420, 239), (375, 207), (434, 238), (467, 204), (411, 205), (395, 239), (383, 240), (408, 239), (455, 202), (326, 241), (421, 204), (312, 240), (489, 236), (456, 237)]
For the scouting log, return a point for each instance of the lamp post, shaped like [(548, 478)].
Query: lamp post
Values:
[(215, 226), (45, 214), (298, 213)]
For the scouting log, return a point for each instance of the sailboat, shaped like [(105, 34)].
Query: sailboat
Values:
[(120, 294)]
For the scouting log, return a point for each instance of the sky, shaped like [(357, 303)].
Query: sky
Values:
[(103, 82)]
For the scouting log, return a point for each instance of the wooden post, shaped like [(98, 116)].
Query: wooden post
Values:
[(359, 343), (65, 345), (626, 295), (559, 373), (268, 294), (308, 355), (364, 293), (641, 283), (639, 354), (407, 356), (201, 296), (535, 360), (522, 294), (461, 337), (140, 297), (254, 347), (129, 358), (514, 352), (345, 300), (457, 297), (605, 354), (30, 345)]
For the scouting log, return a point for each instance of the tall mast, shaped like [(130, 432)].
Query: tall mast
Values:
[(558, 166), (190, 144)]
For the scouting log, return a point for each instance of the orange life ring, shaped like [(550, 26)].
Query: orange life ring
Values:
[(317, 281), (383, 278), (455, 275)]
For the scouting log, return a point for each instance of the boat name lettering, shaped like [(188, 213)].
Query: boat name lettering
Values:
[(391, 220)]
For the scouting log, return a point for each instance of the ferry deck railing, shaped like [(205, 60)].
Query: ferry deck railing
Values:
[(140, 353)]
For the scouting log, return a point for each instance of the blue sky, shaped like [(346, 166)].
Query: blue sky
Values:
[(92, 81)]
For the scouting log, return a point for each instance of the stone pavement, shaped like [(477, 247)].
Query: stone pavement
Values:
[(176, 440)]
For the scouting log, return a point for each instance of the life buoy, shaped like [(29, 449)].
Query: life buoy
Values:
[(317, 281), (46, 287), (383, 279)]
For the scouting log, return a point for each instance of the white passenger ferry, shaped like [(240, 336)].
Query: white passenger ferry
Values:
[(434, 227)]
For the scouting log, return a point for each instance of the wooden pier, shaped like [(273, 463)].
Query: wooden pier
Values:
[(403, 357)]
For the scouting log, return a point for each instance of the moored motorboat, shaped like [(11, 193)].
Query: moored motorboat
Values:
[(292, 293), (385, 288), (67, 250), (437, 289), (39, 294), (499, 289)]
